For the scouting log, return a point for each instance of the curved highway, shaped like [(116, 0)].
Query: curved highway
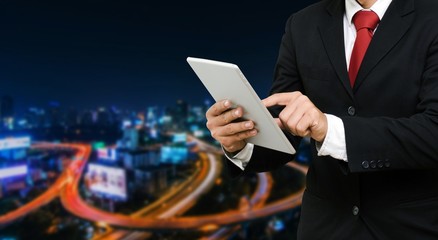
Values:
[(53, 191), (68, 183)]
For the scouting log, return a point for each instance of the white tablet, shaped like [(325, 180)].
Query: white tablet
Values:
[(226, 81)]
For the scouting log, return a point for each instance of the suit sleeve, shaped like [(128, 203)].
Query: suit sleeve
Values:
[(380, 143)]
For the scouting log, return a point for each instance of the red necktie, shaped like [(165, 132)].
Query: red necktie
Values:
[(365, 23)]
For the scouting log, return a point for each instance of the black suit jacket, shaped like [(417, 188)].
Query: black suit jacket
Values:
[(389, 187)]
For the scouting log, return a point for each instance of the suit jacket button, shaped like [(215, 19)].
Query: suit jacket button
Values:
[(365, 164), (380, 164), (373, 164), (355, 210), (351, 111), (387, 163)]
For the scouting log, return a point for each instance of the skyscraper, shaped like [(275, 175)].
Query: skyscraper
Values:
[(6, 106), (6, 112)]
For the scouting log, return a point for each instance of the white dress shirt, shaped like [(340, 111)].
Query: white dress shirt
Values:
[(334, 142)]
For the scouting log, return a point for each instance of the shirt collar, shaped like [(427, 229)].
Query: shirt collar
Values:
[(352, 7)]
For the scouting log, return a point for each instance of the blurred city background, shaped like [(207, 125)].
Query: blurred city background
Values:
[(102, 122)]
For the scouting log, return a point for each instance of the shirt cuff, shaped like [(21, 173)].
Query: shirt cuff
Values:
[(242, 158), (334, 142)]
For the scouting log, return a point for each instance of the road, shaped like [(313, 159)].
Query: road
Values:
[(257, 201), (53, 191), (177, 201), (73, 202), (67, 187)]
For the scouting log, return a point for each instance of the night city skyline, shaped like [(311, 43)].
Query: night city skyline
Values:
[(86, 54), (102, 122)]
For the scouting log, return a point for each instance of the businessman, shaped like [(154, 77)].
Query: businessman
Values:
[(360, 78)]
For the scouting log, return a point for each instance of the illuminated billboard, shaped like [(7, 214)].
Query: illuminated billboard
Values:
[(12, 143), (13, 171), (107, 180), (107, 153), (174, 154), (179, 138)]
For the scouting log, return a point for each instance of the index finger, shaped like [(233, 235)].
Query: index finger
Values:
[(218, 108), (280, 99)]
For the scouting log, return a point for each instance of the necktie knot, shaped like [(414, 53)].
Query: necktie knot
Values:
[(365, 19)]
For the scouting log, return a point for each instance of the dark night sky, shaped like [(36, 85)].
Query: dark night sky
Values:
[(131, 54)]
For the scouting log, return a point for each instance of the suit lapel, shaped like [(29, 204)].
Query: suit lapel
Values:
[(391, 29), (332, 34)]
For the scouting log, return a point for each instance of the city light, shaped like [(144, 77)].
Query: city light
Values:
[(107, 153), (168, 163), (103, 129), (12, 143), (13, 171), (107, 180)]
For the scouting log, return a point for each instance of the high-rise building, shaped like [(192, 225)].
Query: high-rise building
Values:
[(35, 117), (87, 118), (14, 148), (151, 116), (130, 139), (54, 114), (103, 117), (6, 112), (13, 165), (6, 106), (181, 113), (72, 118)]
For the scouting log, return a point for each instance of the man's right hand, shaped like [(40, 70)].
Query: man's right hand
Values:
[(230, 134)]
